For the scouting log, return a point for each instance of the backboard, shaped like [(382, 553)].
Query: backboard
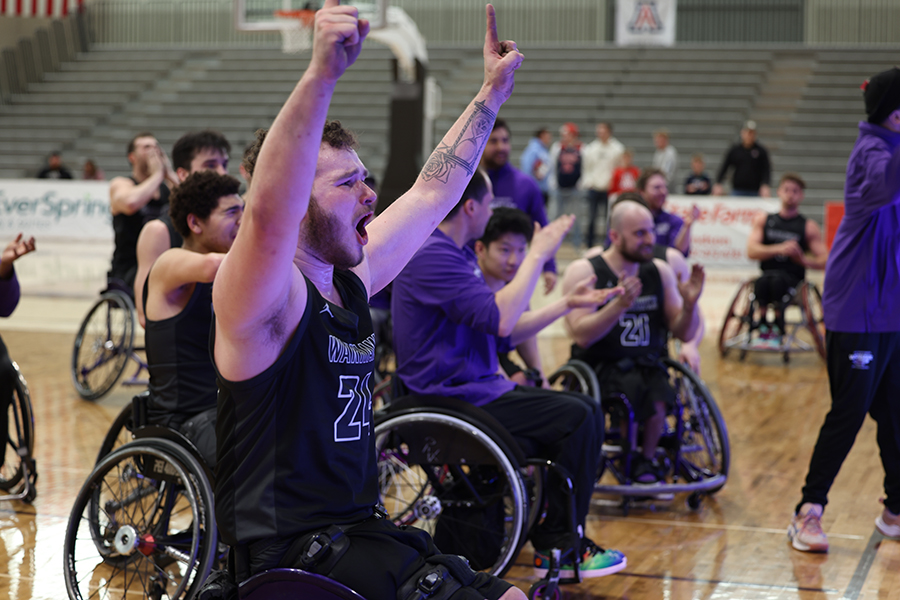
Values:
[(259, 15)]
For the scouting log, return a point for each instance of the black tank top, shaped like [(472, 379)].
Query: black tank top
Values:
[(295, 448), (175, 239), (127, 228), (182, 377), (779, 230), (641, 330)]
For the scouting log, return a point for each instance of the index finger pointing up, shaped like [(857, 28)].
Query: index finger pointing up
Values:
[(490, 36), (331, 3)]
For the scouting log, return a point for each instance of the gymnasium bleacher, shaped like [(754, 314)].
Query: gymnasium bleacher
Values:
[(806, 101)]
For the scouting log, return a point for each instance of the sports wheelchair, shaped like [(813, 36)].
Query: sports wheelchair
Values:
[(804, 323), (694, 445), (450, 468), (104, 344), (144, 521), (18, 473)]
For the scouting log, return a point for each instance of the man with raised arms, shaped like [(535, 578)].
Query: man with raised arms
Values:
[(293, 342)]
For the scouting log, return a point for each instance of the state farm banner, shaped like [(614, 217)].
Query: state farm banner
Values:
[(54, 209), (645, 22), (719, 236)]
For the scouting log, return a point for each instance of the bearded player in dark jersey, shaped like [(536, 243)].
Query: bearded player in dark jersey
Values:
[(624, 339), (293, 341), (786, 243)]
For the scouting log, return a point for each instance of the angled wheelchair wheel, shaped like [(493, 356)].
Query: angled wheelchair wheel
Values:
[(576, 376), (811, 305), (702, 451), (19, 446), (142, 526), (119, 433), (442, 474), (103, 345), (736, 325)]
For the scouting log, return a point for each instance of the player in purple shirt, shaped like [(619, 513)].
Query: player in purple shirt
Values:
[(862, 318), (515, 189), (671, 230), (446, 325), (9, 298)]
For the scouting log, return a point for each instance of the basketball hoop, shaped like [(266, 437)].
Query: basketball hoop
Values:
[(296, 29)]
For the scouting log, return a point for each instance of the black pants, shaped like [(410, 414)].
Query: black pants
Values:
[(596, 199), (7, 389), (864, 377), (776, 288), (565, 428)]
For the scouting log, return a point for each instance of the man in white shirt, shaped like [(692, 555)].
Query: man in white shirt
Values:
[(599, 159)]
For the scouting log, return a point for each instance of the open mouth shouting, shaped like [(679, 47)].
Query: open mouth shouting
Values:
[(361, 233)]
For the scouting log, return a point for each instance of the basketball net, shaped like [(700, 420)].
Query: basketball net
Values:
[(296, 29)]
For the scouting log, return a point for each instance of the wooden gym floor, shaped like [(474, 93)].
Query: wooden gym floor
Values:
[(733, 547)]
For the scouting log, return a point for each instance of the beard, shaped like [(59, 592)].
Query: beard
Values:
[(636, 256), (322, 232)]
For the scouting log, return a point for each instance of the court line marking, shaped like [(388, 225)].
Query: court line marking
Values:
[(769, 586), (862, 569), (843, 536)]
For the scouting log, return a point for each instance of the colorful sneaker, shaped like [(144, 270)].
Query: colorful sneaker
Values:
[(805, 531), (888, 524), (595, 562)]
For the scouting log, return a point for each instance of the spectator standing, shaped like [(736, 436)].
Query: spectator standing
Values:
[(600, 158), (535, 160), (54, 168), (565, 155), (666, 156), (698, 182), (862, 318), (513, 188), (752, 171)]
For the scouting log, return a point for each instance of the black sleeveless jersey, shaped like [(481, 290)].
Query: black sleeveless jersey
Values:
[(182, 377), (294, 444), (175, 239), (127, 228), (641, 330), (777, 230)]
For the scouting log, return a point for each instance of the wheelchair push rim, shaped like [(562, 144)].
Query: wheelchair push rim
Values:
[(103, 345)]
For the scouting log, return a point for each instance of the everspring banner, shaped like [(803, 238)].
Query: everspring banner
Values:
[(719, 236), (54, 209), (645, 22)]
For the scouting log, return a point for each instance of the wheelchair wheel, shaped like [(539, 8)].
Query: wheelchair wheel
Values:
[(442, 474), (736, 326), (119, 434), (103, 345), (19, 444), (703, 451), (142, 525), (811, 304), (576, 376)]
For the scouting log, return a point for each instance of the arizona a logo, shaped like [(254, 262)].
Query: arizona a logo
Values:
[(646, 18)]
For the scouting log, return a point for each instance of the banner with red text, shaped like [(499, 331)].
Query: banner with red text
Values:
[(719, 236)]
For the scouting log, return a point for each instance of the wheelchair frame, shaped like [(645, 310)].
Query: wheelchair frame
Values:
[(579, 376), (21, 416), (103, 345), (740, 323)]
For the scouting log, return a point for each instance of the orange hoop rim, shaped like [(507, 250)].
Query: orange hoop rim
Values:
[(304, 15)]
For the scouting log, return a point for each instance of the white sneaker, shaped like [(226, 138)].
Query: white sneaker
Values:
[(805, 531), (888, 524)]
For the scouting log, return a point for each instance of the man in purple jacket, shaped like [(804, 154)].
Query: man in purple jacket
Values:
[(515, 189), (862, 318), (447, 326), (9, 298)]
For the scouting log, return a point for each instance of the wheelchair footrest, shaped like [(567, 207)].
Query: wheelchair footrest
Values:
[(662, 488)]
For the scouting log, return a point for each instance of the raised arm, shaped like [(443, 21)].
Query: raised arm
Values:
[(259, 291), (588, 326), (151, 243), (127, 197), (403, 227), (682, 316), (171, 278)]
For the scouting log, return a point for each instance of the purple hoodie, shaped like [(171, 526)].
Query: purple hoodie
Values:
[(862, 277), (9, 294)]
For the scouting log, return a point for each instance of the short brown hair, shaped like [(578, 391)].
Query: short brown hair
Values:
[(646, 174), (135, 138), (338, 137), (251, 154), (792, 177)]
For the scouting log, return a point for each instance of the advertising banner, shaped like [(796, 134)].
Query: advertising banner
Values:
[(54, 209), (719, 236), (645, 22)]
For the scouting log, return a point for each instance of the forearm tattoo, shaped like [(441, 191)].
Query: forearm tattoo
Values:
[(466, 151)]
